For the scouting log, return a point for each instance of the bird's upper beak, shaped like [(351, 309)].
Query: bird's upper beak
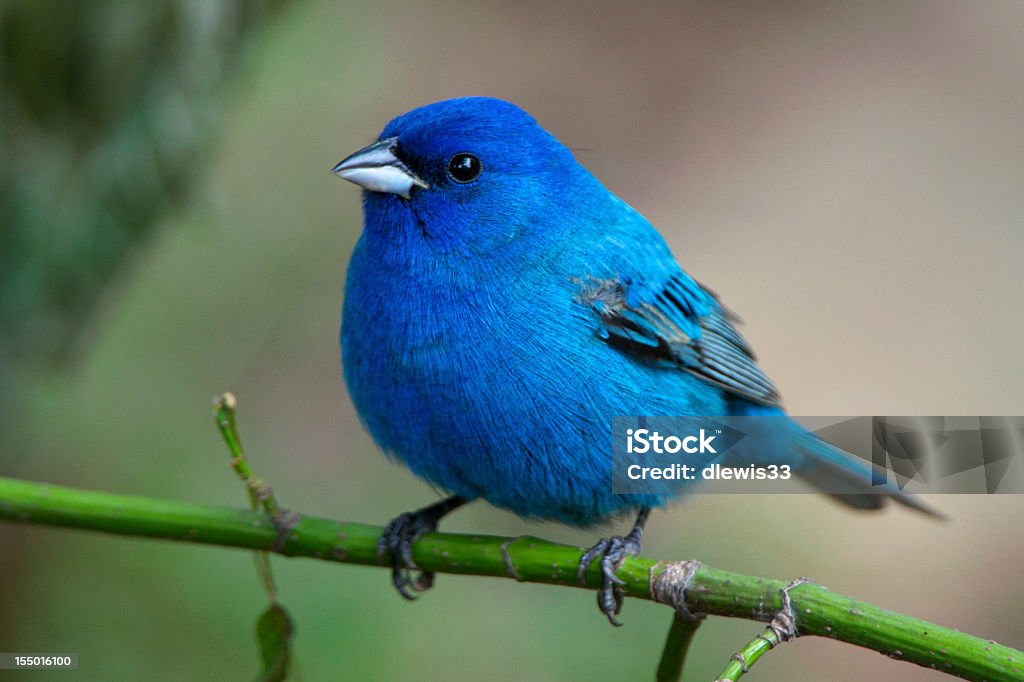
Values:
[(377, 169)]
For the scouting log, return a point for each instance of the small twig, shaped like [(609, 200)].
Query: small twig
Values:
[(741, 661), (274, 629), (260, 492), (782, 628)]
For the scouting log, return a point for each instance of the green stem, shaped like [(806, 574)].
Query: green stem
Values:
[(260, 492), (742, 660), (680, 634), (710, 590)]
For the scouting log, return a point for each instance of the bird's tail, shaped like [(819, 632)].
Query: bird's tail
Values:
[(848, 479)]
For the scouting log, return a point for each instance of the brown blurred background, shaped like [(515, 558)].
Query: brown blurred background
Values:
[(848, 177)]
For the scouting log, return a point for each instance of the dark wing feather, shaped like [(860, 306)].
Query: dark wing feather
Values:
[(681, 323)]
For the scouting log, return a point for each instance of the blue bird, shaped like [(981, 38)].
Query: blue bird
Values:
[(501, 306)]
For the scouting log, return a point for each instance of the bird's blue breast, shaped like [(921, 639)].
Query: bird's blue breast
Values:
[(493, 382)]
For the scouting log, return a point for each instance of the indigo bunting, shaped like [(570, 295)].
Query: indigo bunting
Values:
[(501, 306)]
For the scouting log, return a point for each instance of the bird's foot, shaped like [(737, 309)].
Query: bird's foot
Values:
[(612, 552), (396, 542)]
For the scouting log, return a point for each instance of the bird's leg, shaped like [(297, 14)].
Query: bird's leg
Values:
[(397, 539), (613, 551)]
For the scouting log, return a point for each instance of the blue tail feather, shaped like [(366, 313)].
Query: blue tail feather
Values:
[(837, 473)]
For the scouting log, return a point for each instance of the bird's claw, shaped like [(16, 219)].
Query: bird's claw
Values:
[(612, 552), (396, 542)]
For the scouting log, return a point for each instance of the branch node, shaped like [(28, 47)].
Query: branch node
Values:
[(784, 622), (285, 522), (669, 586), (738, 656), (507, 558)]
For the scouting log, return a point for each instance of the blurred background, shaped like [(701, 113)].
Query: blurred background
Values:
[(848, 177)]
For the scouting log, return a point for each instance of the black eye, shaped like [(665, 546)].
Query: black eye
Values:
[(464, 168)]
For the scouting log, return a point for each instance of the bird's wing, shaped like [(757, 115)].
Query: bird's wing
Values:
[(678, 321)]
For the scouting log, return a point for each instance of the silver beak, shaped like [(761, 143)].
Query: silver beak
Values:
[(377, 169)]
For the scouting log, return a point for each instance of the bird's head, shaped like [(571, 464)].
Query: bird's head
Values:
[(468, 173)]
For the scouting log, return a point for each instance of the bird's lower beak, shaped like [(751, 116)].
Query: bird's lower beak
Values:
[(377, 169)]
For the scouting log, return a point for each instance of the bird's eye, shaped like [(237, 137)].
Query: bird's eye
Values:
[(464, 168)]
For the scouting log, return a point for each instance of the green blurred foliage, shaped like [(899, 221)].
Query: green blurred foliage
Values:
[(107, 115)]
